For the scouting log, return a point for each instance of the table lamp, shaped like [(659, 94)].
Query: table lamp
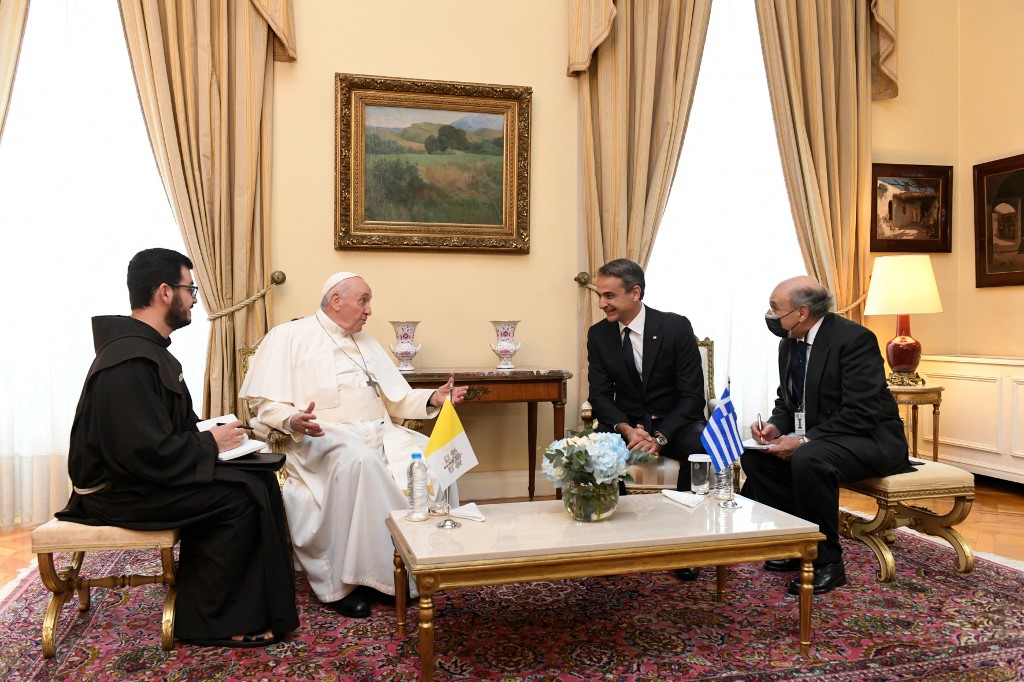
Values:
[(900, 286)]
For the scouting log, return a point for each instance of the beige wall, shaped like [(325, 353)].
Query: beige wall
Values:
[(960, 100), (991, 320), (454, 295)]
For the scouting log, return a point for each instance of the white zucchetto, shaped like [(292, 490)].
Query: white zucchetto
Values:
[(335, 278)]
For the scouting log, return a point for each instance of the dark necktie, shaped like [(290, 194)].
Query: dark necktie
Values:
[(627, 356), (797, 371)]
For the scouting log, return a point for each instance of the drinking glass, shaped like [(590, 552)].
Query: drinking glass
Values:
[(700, 470)]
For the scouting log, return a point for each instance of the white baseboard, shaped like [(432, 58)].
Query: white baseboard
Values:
[(498, 485)]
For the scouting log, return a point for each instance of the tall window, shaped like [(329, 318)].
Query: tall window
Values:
[(79, 196), (727, 237)]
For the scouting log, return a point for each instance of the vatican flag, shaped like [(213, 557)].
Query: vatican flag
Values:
[(448, 453)]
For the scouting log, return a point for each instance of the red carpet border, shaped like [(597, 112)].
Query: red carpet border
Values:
[(930, 624)]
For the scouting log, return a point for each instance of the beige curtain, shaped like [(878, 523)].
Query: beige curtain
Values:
[(637, 63), (13, 14), (204, 70), (884, 84), (817, 56)]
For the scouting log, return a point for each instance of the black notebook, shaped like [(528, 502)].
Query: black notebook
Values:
[(260, 461)]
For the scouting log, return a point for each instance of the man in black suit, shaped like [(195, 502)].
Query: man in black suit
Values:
[(834, 421), (645, 383)]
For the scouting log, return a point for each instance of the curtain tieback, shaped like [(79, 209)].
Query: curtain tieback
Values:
[(276, 277), (853, 305)]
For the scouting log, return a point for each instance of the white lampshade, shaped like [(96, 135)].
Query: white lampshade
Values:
[(901, 285)]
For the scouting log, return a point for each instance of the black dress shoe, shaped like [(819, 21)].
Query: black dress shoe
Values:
[(687, 574), (826, 579), (782, 565), (355, 605), (378, 597)]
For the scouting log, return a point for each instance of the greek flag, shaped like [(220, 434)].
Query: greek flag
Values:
[(721, 437)]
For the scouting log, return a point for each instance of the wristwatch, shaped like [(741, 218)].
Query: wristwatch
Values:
[(660, 440)]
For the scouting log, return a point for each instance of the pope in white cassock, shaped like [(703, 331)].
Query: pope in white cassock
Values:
[(346, 461)]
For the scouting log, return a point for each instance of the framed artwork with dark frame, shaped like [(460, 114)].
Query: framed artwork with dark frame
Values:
[(998, 237), (431, 165), (910, 208)]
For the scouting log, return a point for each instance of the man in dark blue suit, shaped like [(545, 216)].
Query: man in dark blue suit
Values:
[(834, 421), (645, 375)]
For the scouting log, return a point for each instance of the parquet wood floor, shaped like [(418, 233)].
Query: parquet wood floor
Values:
[(995, 525)]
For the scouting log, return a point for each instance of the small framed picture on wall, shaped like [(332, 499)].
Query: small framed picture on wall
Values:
[(999, 242), (911, 208)]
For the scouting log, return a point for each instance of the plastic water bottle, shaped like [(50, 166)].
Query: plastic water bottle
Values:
[(417, 482)]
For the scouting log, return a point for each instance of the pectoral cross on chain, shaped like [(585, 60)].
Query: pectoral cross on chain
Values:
[(371, 381)]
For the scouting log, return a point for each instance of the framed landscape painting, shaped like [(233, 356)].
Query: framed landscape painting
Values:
[(998, 237), (430, 165), (911, 208)]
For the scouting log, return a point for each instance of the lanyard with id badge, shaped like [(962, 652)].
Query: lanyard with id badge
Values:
[(799, 370)]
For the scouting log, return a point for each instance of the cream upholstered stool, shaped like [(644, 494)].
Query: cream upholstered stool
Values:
[(931, 480), (64, 536)]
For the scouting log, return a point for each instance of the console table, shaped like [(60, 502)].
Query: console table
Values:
[(920, 395), (529, 385)]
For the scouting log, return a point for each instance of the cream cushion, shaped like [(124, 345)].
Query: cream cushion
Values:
[(932, 479), (66, 536)]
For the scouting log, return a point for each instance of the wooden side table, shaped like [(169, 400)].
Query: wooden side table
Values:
[(920, 395), (529, 385)]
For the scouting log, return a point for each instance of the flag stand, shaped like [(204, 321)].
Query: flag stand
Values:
[(448, 522), (729, 501)]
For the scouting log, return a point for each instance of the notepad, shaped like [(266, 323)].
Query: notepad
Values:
[(751, 444), (248, 445)]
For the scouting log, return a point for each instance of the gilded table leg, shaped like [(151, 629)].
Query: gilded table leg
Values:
[(913, 421), (426, 632), (935, 432), (720, 583), (401, 590), (806, 601)]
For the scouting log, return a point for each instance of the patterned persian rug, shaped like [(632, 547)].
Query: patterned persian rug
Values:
[(930, 624)]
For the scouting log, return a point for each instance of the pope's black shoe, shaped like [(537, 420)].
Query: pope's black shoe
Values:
[(355, 605), (826, 579), (782, 565), (687, 574)]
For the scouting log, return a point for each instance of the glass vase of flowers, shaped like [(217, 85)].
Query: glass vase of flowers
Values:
[(588, 466)]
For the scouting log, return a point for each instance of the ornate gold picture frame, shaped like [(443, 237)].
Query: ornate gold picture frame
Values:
[(431, 165)]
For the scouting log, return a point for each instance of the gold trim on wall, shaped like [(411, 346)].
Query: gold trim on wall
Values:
[(510, 234)]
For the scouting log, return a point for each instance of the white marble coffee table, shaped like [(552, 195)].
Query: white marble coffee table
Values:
[(528, 541)]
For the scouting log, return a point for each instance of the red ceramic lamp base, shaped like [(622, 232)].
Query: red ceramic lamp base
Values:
[(904, 355)]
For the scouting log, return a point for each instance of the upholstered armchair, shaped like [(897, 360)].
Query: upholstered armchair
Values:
[(275, 439)]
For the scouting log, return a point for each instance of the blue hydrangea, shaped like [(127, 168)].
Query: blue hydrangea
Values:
[(588, 458)]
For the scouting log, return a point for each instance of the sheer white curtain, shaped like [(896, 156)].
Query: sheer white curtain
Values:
[(727, 237), (79, 196)]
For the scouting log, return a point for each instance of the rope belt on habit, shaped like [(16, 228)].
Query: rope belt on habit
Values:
[(89, 491)]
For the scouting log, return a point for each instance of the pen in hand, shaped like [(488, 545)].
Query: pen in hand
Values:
[(760, 429), (247, 428)]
